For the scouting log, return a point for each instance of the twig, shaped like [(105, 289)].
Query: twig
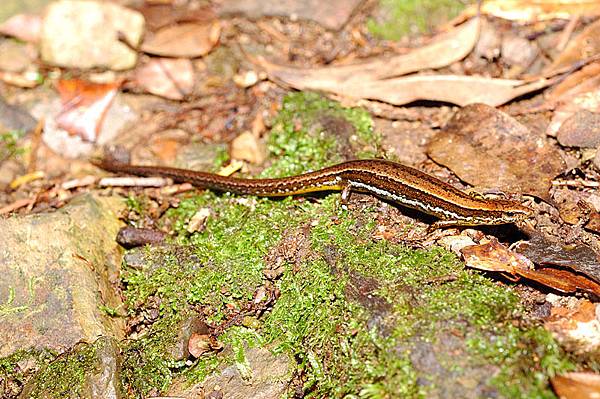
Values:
[(567, 32), (134, 182), (36, 139), (17, 205)]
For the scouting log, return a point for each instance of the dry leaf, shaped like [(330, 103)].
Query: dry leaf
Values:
[(581, 258), (84, 106), (450, 47), (166, 77), (188, 40), (579, 91), (460, 90), (584, 46), (536, 10), (160, 15), (26, 27), (26, 79), (489, 149), (577, 385), (199, 344), (495, 257)]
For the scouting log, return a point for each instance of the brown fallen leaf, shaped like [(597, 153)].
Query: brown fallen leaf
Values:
[(495, 257), (26, 27), (460, 90), (26, 80), (536, 10), (580, 258), (579, 91), (166, 77), (577, 385), (186, 40), (489, 149), (583, 46), (160, 15), (84, 105), (446, 49)]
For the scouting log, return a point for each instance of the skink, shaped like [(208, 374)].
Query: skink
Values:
[(389, 180)]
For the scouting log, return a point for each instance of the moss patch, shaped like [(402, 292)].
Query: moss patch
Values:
[(362, 318), (403, 17), (65, 376)]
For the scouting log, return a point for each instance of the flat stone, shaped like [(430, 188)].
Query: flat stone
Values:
[(85, 34), (270, 375), (580, 130), (57, 270), (331, 14)]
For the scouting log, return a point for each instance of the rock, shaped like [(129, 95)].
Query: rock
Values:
[(192, 325), (85, 34), (57, 270), (104, 382), (331, 14), (582, 129), (249, 148), (518, 51), (13, 117), (99, 364), (270, 375)]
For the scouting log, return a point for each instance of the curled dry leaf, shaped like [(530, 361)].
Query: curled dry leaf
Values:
[(584, 46), (199, 344), (186, 40), (166, 77), (580, 385), (579, 258), (448, 48), (460, 90), (488, 148), (495, 257), (26, 27), (536, 10), (579, 91), (84, 105)]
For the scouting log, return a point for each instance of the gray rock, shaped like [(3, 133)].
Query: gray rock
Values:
[(270, 375), (330, 14), (85, 34), (580, 130), (104, 382), (56, 272)]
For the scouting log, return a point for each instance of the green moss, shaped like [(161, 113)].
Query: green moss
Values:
[(300, 140), (348, 340), (65, 376), (403, 17), (15, 369), (9, 144), (528, 357)]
